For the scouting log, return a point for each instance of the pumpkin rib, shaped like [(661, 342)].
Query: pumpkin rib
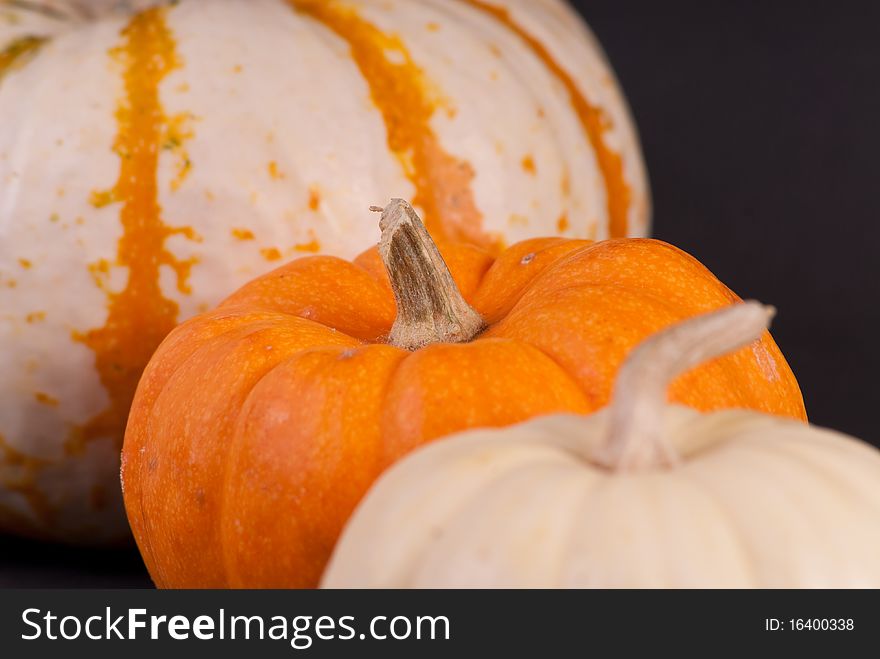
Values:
[(218, 350), (636, 254), (548, 273), (593, 119), (451, 9), (484, 503), (326, 289), (315, 366), (245, 330), (518, 73), (718, 372), (228, 570), (572, 377), (496, 295), (813, 458), (247, 324), (759, 467), (431, 488), (592, 483), (586, 484), (512, 469), (529, 307), (728, 521), (485, 372), (442, 181), (194, 334), (556, 281), (585, 514), (608, 482), (146, 546), (386, 393), (801, 452)]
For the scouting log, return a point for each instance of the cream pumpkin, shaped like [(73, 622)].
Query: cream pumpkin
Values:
[(155, 157), (641, 494)]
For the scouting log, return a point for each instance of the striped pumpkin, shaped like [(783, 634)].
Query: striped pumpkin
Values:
[(153, 157)]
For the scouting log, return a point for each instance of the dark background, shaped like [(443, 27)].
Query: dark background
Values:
[(758, 122)]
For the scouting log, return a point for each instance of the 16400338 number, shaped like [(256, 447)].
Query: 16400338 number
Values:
[(822, 624), (809, 624)]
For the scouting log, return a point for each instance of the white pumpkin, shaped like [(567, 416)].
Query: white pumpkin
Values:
[(641, 494), (152, 162)]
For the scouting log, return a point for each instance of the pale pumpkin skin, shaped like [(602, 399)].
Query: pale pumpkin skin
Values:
[(265, 129), (751, 500)]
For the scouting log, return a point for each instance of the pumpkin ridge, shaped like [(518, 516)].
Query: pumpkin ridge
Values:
[(817, 464), (594, 121), (338, 296), (222, 345), (593, 402), (617, 292), (478, 505), (500, 270), (318, 366), (548, 273), (144, 539), (614, 259), (229, 561), (589, 396), (609, 249), (747, 556), (442, 181), (435, 381), (591, 483), (384, 422), (266, 318), (757, 464), (451, 456)]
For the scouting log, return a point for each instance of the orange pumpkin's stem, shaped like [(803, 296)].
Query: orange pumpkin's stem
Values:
[(430, 308), (636, 438)]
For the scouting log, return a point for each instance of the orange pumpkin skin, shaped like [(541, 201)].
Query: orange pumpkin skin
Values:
[(257, 427)]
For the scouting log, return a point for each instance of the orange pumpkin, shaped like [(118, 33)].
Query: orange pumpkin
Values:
[(257, 427)]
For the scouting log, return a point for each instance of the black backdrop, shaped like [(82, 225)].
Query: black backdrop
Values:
[(758, 125)]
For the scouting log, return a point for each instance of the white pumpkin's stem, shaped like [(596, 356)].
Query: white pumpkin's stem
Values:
[(430, 308), (636, 438)]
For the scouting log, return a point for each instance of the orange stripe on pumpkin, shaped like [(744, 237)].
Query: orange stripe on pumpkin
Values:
[(592, 118), (398, 89), (139, 316)]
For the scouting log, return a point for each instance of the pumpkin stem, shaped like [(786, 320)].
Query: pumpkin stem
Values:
[(430, 308), (636, 438)]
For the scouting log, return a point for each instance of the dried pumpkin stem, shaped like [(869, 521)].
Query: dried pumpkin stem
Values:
[(430, 308), (636, 438)]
